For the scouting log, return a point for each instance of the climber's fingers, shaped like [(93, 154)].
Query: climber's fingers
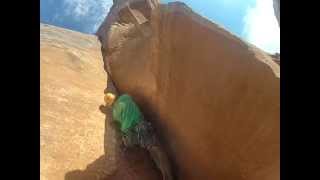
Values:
[(102, 109)]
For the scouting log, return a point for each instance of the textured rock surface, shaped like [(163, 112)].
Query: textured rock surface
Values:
[(276, 58), (214, 99), (77, 140), (72, 81)]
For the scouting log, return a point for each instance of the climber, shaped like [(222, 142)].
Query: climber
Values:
[(137, 131)]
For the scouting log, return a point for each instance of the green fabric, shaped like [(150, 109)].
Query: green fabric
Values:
[(126, 112)]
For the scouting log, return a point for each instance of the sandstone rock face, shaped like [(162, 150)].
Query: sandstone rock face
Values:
[(214, 99), (72, 81), (276, 58), (78, 141)]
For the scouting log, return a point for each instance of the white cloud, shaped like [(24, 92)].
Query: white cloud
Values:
[(106, 5), (261, 27), (78, 8), (93, 10)]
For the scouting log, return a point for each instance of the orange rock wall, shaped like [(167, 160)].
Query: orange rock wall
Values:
[(214, 99)]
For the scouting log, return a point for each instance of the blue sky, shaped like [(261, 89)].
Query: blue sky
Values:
[(251, 20)]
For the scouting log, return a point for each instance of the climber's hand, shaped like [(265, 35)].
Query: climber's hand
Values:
[(103, 109), (108, 112)]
